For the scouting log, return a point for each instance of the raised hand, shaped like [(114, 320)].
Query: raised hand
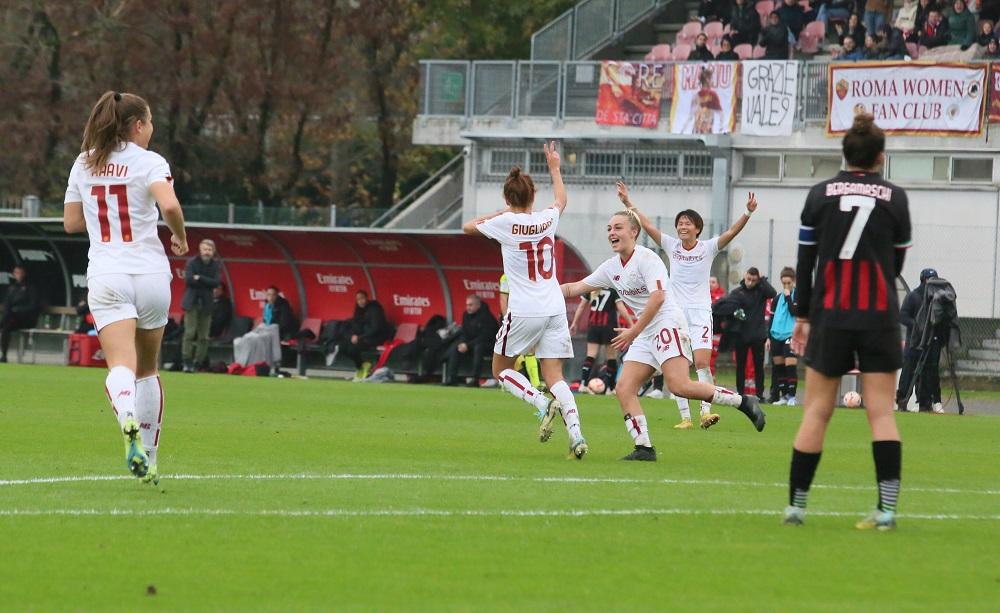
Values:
[(623, 194), (752, 203), (552, 156)]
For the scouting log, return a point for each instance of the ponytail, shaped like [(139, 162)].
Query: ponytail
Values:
[(110, 125)]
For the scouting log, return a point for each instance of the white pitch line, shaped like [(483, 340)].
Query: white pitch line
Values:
[(454, 513), (432, 477)]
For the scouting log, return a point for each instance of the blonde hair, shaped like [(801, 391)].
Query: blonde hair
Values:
[(633, 219)]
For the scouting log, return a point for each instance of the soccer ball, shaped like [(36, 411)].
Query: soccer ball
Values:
[(852, 399), (596, 385)]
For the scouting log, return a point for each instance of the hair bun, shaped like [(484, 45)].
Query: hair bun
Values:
[(118, 97), (863, 120), (515, 172)]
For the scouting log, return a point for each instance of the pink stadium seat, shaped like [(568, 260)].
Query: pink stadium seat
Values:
[(808, 43), (817, 29), (764, 9), (659, 53), (681, 52), (758, 52), (689, 32), (714, 31), (745, 51)]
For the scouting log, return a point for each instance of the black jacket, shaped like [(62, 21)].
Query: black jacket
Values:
[(774, 39), (222, 315), (370, 324), (941, 36), (746, 21), (753, 301), (281, 314), (702, 54), (198, 294), (22, 300), (479, 328)]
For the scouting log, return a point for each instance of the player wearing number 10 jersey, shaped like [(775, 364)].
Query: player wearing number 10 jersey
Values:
[(112, 193), (854, 235), (535, 321)]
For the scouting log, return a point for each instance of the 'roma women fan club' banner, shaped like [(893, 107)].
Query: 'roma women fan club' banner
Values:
[(704, 100), (769, 93), (910, 97), (994, 93), (629, 94)]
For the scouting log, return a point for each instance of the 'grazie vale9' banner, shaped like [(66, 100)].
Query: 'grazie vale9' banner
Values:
[(629, 94), (909, 98), (769, 93)]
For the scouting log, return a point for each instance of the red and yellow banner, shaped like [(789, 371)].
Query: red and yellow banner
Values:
[(994, 93), (704, 100), (630, 94)]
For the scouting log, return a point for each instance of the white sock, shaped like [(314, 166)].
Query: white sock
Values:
[(149, 412), (683, 407), (120, 387), (728, 398), (515, 383), (636, 427), (705, 375), (570, 414)]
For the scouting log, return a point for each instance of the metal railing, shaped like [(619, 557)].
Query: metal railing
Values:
[(587, 27), (560, 90), (401, 204)]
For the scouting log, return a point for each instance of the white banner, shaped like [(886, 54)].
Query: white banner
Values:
[(704, 99), (909, 97), (769, 93)]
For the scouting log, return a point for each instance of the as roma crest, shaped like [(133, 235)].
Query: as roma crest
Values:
[(841, 88)]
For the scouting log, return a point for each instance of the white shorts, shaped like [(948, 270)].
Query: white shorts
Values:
[(656, 349), (546, 337), (117, 297), (700, 326)]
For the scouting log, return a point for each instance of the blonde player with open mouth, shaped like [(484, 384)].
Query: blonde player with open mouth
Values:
[(690, 270), (535, 321), (658, 341)]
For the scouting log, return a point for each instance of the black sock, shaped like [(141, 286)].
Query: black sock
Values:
[(658, 382), (588, 363), (612, 368), (802, 473), (888, 466), (778, 375), (791, 379)]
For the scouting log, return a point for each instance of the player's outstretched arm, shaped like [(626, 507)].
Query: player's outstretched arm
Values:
[(73, 219), (726, 237), (470, 227), (553, 160), (579, 288), (164, 194), (647, 224)]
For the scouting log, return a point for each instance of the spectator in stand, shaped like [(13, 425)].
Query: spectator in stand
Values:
[(924, 7), (893, 43), (201, 276), (985, 33), (714, 10), (774, 38), (877, 12), (853, 30), (744, 26), (990, 9), (701, 52), (992, 50), (751, 296), (794, 17), (873, 47), (475, 339), (906, 18), (936, 32), (86, 323), (848, 52), (368, 329), (726, 53), (263, 343), (838, 11), (222, 311), (962, 26), (21, 307)]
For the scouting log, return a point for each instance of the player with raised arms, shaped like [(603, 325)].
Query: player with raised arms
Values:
[(690, 270), (854, 235), (535, 321), (114, 187), (658, 340)]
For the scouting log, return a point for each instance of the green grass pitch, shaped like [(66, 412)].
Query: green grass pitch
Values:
[(313, 494)]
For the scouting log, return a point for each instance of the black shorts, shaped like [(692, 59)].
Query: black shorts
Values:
[(600, 335), (781, 349), (835, 352)]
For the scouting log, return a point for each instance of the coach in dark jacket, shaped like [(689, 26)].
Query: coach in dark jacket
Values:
[(475, 340), (21, 308), (201, 276), (368, 329), (752, 296)]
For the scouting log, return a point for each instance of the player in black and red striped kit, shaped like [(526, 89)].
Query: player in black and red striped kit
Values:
[(605, 308), (854, 235)]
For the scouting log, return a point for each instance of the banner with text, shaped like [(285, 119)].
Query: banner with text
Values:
[(994, 93), (629, 94), (704, 100), (909, 97), (769, 94)]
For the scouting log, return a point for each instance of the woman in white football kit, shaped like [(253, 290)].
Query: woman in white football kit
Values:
[(113, 190), (535, 321), (690, 270), (658, 341)]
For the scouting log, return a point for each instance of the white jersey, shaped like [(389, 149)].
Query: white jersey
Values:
[(527, 242), (634, 280), (120, 211), (690, 270)]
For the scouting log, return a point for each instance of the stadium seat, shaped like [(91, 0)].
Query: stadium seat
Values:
[(714, 31), (681, 52), (659, 53), (405, 333), (817, 29), (309, 324), (758, 52), (764, 9), (745, 51), (688, 33)]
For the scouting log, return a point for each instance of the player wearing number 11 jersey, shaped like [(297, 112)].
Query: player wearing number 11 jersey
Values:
[(535, 321), (112, 193)]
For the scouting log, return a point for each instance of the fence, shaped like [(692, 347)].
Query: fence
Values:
[(587, 27)]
